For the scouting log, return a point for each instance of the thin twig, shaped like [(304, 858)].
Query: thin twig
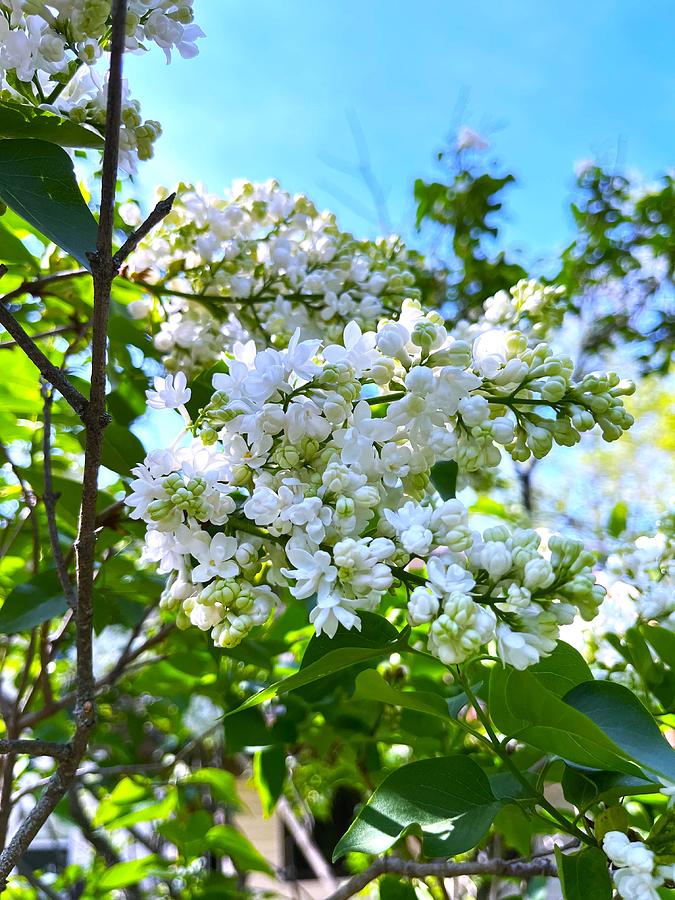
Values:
[(443, 869), (106, 681), (41, 335), (161, 210), (49, 371)]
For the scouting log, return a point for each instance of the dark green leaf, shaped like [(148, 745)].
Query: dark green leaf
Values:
[(269, 775), (32, 603), (522, 707), (444, 478), (448, 801), (584, 875), (621, 716), (38, 182), (663, 641)]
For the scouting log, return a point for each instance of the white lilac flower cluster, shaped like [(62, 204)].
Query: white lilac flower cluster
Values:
[(53, 55), (309, 473), (639, 579), (636, 876), (529, 305), (259, 262)]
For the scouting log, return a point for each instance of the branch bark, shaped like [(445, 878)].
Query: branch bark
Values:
[(35, 748), (161, 210), (518, 868), (49, 371)]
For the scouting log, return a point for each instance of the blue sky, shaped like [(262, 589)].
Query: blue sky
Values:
[(549, 83)]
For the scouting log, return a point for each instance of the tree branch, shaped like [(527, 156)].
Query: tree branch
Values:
[(95, 420), (35, 748), (49, 371), (161, 210), (517, 868)]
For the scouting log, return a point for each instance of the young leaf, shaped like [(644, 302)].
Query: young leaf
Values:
[(38, 182), (226, 840), (32, 603), (584, 875), (448, 801)]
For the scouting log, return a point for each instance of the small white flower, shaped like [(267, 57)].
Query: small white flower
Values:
[(170, 392), (217, 560)]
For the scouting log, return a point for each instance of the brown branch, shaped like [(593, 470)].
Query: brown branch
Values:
[(43, 890), (49, 371), (41, 335), (35, 748), (161, 210), (95, 419), (116, 672), (517, 868)]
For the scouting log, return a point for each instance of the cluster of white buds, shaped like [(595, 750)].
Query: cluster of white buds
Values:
[(307, 476), (637, 875), (259, 262), (504, 588), (529, 305), (639, 579), (52, 55)]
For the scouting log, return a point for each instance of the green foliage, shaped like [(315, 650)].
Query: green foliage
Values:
[(20, 120), (33, 602), (447, 801), (37, 181), (584, 874)]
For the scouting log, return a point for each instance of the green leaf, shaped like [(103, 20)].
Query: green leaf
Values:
[(584, 875), (618, 518), (223, 784), (562, 670), (123, 874), (370, 685), (663, 641), (447, 801), (583, 787), (621, 716), (38, 182), (14, 251), (394, 888), (19, 120), (224, 839), (269, 776), (523, 708), (444, 478), (333, 661), (33, 602)]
